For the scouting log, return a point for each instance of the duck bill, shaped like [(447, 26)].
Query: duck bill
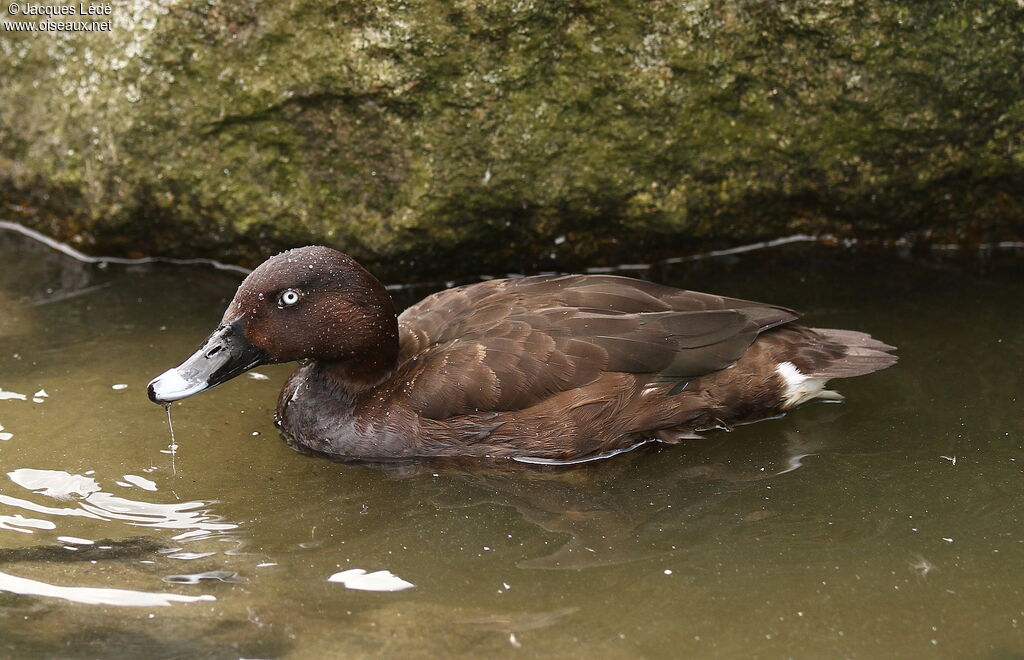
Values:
[(225, 354)]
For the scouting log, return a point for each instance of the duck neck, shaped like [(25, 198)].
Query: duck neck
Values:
[(366, 369)]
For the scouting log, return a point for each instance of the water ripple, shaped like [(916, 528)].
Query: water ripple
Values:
[(94, 595), (92, 502)]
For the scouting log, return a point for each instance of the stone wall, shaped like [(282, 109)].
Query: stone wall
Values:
[(429, 137)]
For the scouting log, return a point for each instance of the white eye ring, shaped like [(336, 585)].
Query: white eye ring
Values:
[(288, 298)]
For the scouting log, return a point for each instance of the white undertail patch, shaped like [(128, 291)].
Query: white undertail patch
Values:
[(801, 388)]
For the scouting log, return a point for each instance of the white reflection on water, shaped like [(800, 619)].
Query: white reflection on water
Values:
[(54, 483), (140, 482), (94, 595), (357, 578), (17, 521), (39, 508), (93, 502), (189, 555), (194, 578), (74, 540)]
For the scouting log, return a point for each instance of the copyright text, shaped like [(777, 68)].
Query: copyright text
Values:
[(44, 17)]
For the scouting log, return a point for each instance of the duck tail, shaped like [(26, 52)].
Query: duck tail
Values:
[(861, 354)]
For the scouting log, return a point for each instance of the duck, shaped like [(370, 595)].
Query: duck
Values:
[(545, 368)]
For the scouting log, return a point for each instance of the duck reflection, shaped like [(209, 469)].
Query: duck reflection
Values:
[(611, 512)]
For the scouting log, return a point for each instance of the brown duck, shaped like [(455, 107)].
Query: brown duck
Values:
[(545, 368)]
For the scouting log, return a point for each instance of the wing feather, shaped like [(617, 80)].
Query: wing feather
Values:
[(510, 344)]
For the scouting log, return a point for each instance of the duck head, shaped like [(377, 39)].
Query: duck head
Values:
[(310, 303)]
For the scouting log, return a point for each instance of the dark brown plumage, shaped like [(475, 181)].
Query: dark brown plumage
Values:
[(549, 367)]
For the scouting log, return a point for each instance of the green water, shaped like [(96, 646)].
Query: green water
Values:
[(887, 526)]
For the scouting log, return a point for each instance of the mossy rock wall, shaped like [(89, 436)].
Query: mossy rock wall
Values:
[(429, 137)]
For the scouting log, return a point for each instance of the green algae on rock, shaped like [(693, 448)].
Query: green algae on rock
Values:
[(419, 135)]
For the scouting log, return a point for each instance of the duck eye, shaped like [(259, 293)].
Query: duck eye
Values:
[(288, 298)]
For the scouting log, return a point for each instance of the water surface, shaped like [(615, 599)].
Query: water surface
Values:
[(889, 525)]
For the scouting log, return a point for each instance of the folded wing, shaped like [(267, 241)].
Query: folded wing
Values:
[(510, 344)]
